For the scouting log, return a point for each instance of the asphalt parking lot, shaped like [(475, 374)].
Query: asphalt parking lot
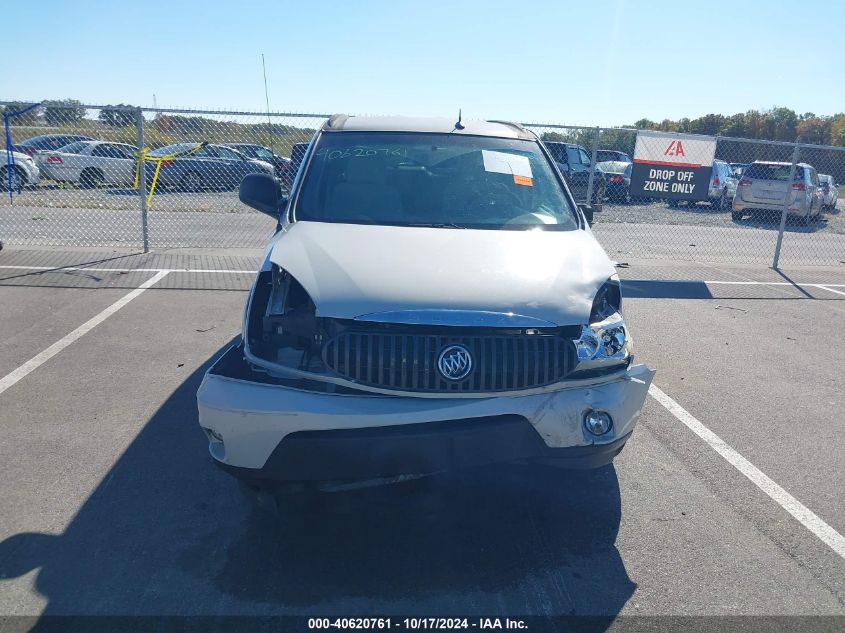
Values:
[(109, 504), (626, 231)]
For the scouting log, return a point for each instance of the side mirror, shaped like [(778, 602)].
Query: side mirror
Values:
[(263, 193), (587, 210)]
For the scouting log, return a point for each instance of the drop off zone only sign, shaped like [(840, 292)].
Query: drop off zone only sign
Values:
[(674, 166)]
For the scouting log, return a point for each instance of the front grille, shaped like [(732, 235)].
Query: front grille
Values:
[(408, 361)]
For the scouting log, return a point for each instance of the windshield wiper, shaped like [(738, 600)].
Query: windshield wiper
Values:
[(440, 225)]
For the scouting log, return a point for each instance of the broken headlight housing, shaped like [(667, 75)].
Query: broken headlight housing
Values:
[(604, 344), (282, 327)]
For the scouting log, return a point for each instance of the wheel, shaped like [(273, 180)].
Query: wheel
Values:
[(721, 202), (598, 193), (191, 181), (18, 179), (91, 178), (736, 216)]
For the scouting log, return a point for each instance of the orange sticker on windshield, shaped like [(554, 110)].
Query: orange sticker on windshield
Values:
[(523, 180)]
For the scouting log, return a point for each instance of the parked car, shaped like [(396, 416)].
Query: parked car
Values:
[(212, 167), (281, 164), (610, 155), (90, 163), (830, 191), (24, 173), (617, 176), (764, 187), (48, 142), (574, 163), (737, 169), (433, 299), (721, 190)]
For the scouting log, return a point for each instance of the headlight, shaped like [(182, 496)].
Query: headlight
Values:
[(605, 342)]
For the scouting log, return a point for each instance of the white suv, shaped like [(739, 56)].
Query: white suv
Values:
[(433, 298)]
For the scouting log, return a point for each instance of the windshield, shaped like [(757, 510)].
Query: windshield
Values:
[(74, 148), (769, 171), (415, 179), (172, 149)]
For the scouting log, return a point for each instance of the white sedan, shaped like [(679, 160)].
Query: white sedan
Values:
[(24, 172), (90, 163)]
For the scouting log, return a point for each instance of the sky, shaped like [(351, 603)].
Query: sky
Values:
[(605, 63)]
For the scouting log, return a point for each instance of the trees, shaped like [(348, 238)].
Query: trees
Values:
[(63, 112), (777, 124), (117, 116)]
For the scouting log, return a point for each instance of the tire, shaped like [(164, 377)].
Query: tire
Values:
[(18, 179), (191, 181), (736, 216), (721, 203), (91, 178), (598, 194)]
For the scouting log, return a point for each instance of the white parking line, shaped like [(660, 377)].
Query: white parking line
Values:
[(36, 361), (825, 287), (60, 269), (803, 514)]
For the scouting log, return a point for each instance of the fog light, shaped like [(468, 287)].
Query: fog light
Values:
[(598, 422)]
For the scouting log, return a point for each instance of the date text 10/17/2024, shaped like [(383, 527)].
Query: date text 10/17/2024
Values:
[(418, 623)]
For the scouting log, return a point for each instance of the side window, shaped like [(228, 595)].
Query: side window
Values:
[(225, 152), (106, 151), (583, 155), (126, 151), (206, 152), (573, 156)]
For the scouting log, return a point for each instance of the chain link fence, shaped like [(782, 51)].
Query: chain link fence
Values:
[(812, 231), (78, 181)]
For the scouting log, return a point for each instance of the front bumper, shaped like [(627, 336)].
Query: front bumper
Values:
[(270, 432)]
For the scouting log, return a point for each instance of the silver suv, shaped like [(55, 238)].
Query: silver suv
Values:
[(721, 189), (433, 298), (764, 187)]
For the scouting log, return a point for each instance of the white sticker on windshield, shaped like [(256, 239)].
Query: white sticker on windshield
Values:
[(512, 164)]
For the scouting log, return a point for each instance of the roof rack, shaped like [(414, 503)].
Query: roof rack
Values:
[(335, 122), (511, 124)]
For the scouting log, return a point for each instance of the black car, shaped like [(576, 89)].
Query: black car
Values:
[(281, 164), (574, 163), (48, 142), (617, 176)]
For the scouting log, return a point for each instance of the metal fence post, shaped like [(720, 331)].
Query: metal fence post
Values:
[(592, 167), (795, 154), (142, 180)]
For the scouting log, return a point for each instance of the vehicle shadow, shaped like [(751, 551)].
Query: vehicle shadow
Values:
[(165, 532), (771, 221)]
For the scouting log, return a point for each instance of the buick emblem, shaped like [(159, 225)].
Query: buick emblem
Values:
[(455, 362)]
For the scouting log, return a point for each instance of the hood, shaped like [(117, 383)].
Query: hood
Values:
[(352, 270)]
